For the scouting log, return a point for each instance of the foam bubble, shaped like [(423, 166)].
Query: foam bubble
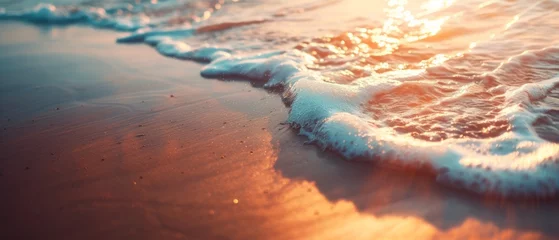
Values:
[(150, 35), (94, 16), (353, 94), (513, 164)]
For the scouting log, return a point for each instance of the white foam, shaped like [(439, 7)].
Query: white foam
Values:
[(171, 48), (178, 49), (98, 17), (145, 34), (50, 14), (516, 163)]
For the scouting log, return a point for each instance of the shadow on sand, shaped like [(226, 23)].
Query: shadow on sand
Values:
[(380, 191)]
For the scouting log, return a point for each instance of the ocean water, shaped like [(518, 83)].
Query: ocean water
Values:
[(467, 90)]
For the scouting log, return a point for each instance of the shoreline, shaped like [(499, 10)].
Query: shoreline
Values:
[(122, 158)]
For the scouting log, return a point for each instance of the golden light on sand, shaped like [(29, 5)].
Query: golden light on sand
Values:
[(176, 156)]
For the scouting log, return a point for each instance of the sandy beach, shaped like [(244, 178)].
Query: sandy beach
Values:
[(102, 140)]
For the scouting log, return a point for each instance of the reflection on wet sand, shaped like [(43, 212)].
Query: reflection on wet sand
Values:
[(170, 176), (215, 162)]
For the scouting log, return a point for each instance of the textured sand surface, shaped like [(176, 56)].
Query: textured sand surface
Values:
[(117, 142)]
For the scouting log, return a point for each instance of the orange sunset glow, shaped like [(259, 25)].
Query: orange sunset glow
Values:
[(276, 119)]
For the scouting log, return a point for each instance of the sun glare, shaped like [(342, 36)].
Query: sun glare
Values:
[(436, 5), (403, 26)]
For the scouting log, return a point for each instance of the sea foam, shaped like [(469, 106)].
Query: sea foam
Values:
[(98, 17), (515, 164), (473, 131)]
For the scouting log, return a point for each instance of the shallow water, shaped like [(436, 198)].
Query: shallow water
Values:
[(466, 89)]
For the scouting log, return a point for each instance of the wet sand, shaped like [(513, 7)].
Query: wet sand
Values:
[(108, 141)]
